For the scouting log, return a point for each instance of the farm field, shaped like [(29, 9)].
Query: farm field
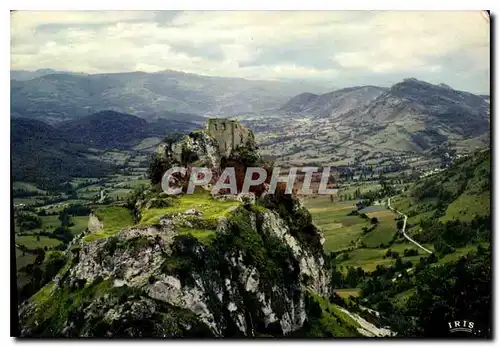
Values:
[(363, 188), (339, 228), (384, 231), (369, 258), (32, 242), (24, 258), (347, 292), (80, 224), (342, 230)]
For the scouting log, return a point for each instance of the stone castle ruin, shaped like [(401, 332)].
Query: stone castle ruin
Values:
[(209, 146), (229, 134)]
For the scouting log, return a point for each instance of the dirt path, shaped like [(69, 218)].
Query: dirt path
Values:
[(404, 227)]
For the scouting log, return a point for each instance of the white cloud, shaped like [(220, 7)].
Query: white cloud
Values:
[(338, 47)]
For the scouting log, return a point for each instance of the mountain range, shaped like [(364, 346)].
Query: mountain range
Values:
[(50, 154), (333, 103), (59, 96), (362, 125), (412, 116)]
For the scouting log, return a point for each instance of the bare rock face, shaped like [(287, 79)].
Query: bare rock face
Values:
[(126, 258), (197, 147)]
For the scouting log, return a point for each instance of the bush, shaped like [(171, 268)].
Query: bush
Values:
[(157, 167), (410, 252)]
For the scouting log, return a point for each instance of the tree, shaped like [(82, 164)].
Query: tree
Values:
[(40, 256), (410, 252), (442, 247), (445, 292), (400, 224), (65, 218), (157, 168), (374, 220)]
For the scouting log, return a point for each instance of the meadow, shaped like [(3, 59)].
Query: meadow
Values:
[(343, 232), (340, 230)]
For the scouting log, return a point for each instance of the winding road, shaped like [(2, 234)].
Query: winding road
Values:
[(404, 227)]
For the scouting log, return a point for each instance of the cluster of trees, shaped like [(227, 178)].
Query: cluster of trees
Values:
[(27, 221), (391, 254), (448, 292), (351, 279), (437, 293), (42, 271), (48, 261), (455, 233)]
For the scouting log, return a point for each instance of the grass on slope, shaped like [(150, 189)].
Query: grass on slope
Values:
[(400, 299), (459, 252), (201, 201), (460, 192), (114, 218), (203, 235), (465, 207), (333, 320)]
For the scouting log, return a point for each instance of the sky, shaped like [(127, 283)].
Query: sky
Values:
[(337, 48)]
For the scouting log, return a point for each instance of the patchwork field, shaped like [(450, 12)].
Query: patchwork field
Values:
[(384, 231), (344, 232), (80, 224), (33, 242), (347, 292), (369, 258), (363, 188), (340, 230), (49, 223)]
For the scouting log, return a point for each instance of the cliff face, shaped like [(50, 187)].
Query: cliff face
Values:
[(250, 278)]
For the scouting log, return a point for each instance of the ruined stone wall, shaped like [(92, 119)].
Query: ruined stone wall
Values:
[(228, 133)]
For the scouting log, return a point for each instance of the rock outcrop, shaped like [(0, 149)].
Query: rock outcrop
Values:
[(249, 280)]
